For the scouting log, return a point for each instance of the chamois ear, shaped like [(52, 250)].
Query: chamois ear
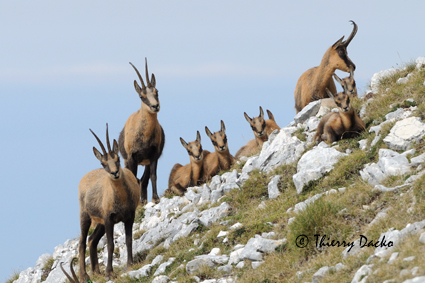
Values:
[(138, 89), (209, 134), (153, 81), (184, 144), (98, 155), (261, 112), (247, 117), (337, 79), (352, 73), (330, 94), (271, 117), (198, 137), (338, 43), (345, 87), (223, 127), (115, 147)]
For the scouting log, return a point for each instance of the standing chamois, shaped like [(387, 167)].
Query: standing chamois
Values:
[(312, 83), (182, 177), (221, 159), (142, 139), (343, 124), (261, 129), (107, 196)]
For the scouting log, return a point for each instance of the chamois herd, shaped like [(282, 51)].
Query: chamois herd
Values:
[(112, 194)]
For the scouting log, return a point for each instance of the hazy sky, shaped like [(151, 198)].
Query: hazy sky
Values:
[(64, 69)]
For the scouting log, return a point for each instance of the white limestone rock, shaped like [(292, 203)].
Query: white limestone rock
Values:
[(283, 150), (314, 164), (362, 274), (390, 163), (309, 110), (272, 187), (404, 133)]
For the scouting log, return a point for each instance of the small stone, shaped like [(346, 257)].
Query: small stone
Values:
[(422, 238), (256, 264), (393, 257), (262, 205), (215, 251), (236, 226), (240, 265), (222, 234), (410, 258), (290, 220)]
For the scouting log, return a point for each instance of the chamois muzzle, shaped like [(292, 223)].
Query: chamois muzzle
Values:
[(155, 108)]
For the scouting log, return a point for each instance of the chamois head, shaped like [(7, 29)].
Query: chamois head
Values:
[(338, 53), (219, 139), (194, 149), (258, 124), (342, 99), (148, 94), (350, 83), (109, 160)]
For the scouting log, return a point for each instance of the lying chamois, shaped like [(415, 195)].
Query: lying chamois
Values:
[(107, 196), (312, 83), (142, 139), (342, 125), (262, 129), (182, 177), (221, 159)]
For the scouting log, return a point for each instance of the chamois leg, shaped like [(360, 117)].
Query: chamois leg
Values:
[(85, 223), (144, 181), (330, 134), (154, 162), (129, 240), (109, 227), (93, 241), (131, 165)]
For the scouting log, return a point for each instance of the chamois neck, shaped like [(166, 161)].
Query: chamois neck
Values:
[(325, 71), (196, 171)]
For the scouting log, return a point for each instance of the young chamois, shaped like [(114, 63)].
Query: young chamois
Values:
[(182, 177), (344, 124), (262, 129), (312, 83), (142, 139), (221, 159), (350, 83), (107, 196)]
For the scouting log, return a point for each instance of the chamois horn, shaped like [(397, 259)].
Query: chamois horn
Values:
[(72, 280), (147, 74), (140, 77), (100, 143), (353, 33)]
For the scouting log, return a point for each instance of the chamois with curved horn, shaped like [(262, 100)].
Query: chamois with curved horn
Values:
[(142, 139), (221, 159), (262, 129), (342, 125), (182, 177), (312, 84), (107, 196), (74, 278)]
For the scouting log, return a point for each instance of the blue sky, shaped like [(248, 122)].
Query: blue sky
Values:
[(64, 69)]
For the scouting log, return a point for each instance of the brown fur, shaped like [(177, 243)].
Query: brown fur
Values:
[(182, 177), (344, 124), (351, 87), (261, 129), (107, 196), (142, 139), (221, 159), (312, 83)]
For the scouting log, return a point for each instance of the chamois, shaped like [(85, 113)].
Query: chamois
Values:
[(262, 129), (142, 139), (221, 159), (107, 196), (344, 124), (351, 87), (313, 82), (182, 177)]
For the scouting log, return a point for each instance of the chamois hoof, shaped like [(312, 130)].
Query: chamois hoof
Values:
[(155, 200)]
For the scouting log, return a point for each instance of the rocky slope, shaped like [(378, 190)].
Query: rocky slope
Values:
[(204, 218)]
